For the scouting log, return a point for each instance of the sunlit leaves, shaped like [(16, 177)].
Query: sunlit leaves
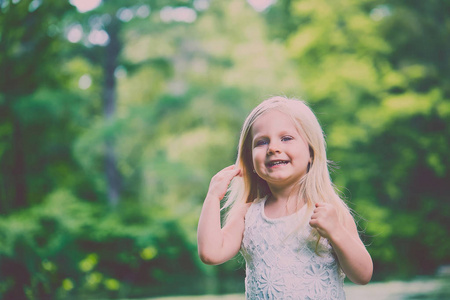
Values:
[(376, 74), (67, 284), (88, 263), (149, 253), (372, 72), (112, 284)]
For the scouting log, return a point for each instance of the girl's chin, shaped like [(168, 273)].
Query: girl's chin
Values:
[(279, 180), (282, 181)]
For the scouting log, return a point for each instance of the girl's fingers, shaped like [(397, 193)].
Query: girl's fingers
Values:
[(225, 175), (229, 175), (234, 171), (229, 167), (219, 182), (232, 167), (313, 223), (317, 210)]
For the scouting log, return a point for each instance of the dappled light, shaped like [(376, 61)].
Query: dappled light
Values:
[(261, 5), (74, 33), (115, 115), (34, 5), (178, 14), (85, 82), (98, 37), (84, 5), (126, 14), (201, 5), (380, 12)]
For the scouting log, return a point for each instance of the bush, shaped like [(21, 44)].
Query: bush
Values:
[(66, 247)]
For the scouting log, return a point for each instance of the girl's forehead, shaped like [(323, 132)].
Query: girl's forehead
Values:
[(274, 114), (274, 119)]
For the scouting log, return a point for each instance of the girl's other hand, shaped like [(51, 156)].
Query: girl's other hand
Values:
[(325, 220), (219, 183)]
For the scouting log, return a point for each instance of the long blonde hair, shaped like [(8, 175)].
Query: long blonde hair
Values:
[(314, 187)]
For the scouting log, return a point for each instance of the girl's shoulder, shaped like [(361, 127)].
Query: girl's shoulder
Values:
[(240, 209), (254, 207), (258, 203)]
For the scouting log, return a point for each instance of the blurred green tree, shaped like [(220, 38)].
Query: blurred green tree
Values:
[(180, 102), (376, 75), (166, 85), (29, 60)]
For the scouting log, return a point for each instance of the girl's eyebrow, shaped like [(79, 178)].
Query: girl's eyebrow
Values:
[(257, 137), (286, 133), (282, 133)]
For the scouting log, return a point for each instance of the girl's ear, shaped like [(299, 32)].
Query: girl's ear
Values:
[(311, 159), (311, 154)]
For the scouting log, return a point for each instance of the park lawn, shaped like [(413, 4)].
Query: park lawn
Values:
[(423, 288)]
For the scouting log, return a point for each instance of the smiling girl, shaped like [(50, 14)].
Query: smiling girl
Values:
[(296, 234)]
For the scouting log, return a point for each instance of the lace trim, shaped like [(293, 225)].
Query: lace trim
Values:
[(280, 266)]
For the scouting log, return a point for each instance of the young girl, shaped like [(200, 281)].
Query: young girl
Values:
[(296, 234)]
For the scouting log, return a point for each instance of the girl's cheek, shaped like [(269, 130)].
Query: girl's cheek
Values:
[(256, 157)]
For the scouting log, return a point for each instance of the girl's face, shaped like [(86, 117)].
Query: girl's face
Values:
[(280, 154)]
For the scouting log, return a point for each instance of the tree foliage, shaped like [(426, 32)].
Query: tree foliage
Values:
[(184, 76), (375, 74)]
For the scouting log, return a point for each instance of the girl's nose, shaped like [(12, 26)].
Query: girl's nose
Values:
[(272, 149)]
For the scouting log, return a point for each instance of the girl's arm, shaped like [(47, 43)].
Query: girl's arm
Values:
[(216, 245), (353, 257)]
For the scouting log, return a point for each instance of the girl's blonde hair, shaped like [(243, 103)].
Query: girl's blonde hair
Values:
[(314, 187)]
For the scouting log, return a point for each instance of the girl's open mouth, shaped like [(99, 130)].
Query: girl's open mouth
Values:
[(277, 163)]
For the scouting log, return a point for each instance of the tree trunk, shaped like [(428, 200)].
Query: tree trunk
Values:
[(13, 192), (109, 107), (18, 171)]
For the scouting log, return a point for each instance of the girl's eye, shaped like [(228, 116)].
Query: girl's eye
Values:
[(260, 143), (286, 138)]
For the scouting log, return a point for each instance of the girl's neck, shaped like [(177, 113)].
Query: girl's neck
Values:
[(282, 194), (287, 197)]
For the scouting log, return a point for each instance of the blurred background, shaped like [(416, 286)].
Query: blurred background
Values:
[(114, 116)]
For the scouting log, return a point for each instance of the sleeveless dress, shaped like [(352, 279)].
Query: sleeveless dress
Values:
[(281, 262)]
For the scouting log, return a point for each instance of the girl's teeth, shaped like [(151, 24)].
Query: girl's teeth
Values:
[(278, 163)]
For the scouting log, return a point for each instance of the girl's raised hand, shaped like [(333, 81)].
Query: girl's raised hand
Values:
[(219, 183), (325, 220)]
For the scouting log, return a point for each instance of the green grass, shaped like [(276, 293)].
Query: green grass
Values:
[(206, 297), (425, 288)]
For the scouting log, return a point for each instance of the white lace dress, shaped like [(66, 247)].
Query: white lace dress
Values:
[(284, 266)]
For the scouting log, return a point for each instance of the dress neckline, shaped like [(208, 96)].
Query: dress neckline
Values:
[(279, 219)]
